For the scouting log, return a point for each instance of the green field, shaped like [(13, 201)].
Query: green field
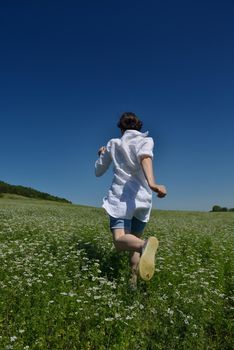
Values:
[(63, 286)]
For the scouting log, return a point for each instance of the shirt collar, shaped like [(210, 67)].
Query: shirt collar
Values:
[(133, 133)]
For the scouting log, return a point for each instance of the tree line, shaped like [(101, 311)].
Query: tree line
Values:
[(217, 208), (29, 192)]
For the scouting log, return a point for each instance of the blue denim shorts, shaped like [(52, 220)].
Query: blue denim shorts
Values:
[(132, 225)]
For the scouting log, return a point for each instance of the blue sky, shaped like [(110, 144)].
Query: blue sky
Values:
[(70, 68)]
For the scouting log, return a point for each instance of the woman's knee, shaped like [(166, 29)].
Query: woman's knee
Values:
[(117, 247), (117, 243), (117, 234)]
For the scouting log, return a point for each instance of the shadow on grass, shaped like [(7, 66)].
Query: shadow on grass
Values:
[(111, 264)]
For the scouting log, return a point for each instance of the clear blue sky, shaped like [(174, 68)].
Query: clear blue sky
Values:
[(68, 69)]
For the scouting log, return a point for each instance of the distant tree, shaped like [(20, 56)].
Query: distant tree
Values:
[(216, 208), (224, 209), (28, 192)]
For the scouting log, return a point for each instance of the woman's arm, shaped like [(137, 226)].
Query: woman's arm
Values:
[(104, 161), (147, 166)]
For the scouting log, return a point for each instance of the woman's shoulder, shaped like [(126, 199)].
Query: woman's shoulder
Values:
[(112, 142), (147, 141)]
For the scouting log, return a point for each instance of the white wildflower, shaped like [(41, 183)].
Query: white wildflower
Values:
[(12, 339), (129, 318), (170, 312)]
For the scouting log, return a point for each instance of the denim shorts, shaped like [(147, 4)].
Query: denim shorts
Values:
[(132, 225)]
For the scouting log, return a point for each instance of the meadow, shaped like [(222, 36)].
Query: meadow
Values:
[(63, 286)]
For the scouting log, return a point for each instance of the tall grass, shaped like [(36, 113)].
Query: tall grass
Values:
[(63, 286)]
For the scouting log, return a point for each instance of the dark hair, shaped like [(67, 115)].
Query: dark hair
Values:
[(129, 121)]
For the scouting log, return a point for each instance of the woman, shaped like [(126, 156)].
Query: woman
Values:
[(129, 200)]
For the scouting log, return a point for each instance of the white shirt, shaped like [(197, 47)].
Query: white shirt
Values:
[(129, 194)]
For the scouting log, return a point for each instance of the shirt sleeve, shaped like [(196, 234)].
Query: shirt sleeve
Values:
[(145, 148), (104, 161)]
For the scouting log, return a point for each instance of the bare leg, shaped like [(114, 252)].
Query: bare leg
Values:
[(123, 240), (134, 259)]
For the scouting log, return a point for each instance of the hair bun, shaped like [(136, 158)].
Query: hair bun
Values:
[(129, 121)]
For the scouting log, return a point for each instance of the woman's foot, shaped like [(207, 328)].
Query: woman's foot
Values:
[(146, 265)]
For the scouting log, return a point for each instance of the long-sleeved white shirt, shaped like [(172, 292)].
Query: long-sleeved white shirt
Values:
[(129, 194)]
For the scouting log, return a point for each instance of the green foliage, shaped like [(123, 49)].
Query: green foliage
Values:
[(28, 192), (63, 286), (217, 208)]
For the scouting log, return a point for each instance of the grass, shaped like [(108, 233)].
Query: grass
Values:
[(63, 286)]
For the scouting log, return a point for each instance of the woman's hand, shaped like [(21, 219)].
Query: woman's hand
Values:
[(101, 150), (159, 189), (147, 166)]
